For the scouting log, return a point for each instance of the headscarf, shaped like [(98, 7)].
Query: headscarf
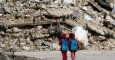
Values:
[(72, 35)]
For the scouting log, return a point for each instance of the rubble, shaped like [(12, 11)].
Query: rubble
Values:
[(33, 25), (69, 2), (87, 17), (59, 12), (95, 28)]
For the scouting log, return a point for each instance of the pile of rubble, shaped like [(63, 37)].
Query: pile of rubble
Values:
[(26, 39), (27, 25)]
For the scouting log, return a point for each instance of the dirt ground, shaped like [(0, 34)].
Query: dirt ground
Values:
[(80, 55)]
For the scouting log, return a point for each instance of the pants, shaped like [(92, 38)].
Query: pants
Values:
[(72, 55), (64, 55)]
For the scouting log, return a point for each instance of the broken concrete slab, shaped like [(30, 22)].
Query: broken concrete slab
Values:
[(95, 5), (60, 12), (95, 28), (71, 23)]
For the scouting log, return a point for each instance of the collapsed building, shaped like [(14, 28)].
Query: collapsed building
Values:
[(33, 25)]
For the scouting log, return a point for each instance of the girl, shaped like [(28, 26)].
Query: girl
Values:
[(64, 46), (73, 45)]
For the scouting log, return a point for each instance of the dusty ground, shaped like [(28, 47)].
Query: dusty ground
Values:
[(81, 55)]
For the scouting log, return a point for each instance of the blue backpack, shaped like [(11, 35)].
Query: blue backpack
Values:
[(64, 46), (74, 45)]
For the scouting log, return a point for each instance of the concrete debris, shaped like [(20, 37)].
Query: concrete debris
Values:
[(87, 17), (59, 12), (26, 48), (109, 23), (84, 8), (96, 29), (15, 29), (34, 25), (69, 1)]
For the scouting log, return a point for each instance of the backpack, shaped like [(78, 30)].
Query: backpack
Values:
[(74, 45), (64, 46)]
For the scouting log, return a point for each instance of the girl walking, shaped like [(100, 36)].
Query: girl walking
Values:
[(64, 46), (73, 45)]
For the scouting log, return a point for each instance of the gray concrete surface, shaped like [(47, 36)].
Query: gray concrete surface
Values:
[(80, 55)]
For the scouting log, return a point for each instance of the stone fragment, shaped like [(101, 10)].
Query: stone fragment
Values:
[(26, 48), (39, 27), (16, 29), (87, 17), (70, 1)]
